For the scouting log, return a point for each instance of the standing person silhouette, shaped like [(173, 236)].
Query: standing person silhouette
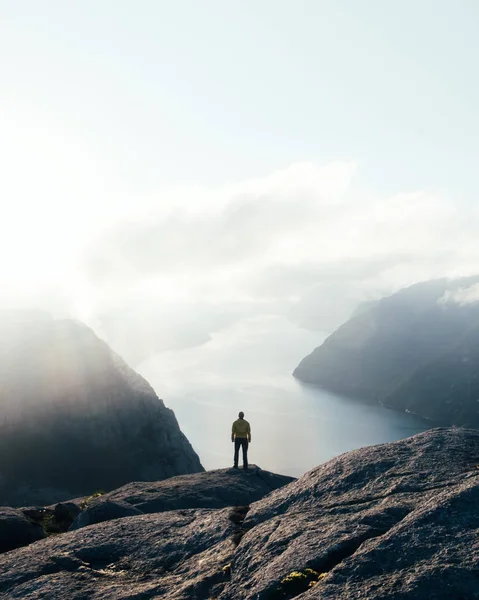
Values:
[(241, 436)]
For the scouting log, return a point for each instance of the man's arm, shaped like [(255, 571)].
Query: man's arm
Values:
[(233, 433), (249, 433)]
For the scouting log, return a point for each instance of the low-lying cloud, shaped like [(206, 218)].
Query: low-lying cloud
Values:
[(462, 296), (306, 243)]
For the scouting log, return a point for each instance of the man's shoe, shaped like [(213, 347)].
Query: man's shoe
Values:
[(235, 466)]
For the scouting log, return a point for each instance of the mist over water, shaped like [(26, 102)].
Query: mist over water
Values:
[(249, 367)]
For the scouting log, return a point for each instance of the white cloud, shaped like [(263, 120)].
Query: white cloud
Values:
[(305, 242), (461, 296)]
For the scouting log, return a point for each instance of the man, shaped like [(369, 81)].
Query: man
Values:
[(241, 436)]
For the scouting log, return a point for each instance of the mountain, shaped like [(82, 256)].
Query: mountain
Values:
[(396, 521), (415, 351), (75, 418)]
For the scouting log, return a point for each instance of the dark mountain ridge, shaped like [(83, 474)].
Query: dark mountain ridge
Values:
[(75, 418), (417, 350)]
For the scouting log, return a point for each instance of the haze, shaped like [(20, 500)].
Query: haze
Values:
[(172, 169)]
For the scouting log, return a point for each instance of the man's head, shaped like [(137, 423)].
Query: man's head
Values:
[(241, 415)]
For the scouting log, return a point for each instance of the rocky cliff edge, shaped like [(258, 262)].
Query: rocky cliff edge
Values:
[(396, 521)]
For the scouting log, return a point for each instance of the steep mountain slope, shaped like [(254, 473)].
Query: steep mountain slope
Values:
[(416, 351), (446, 389), (74, 418), (396, 521)]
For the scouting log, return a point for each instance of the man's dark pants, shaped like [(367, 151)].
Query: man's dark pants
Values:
[(241, 443)]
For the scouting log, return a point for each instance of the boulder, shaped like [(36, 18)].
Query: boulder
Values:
[(103, 510), (53, 519), (16, 530), (66, 512)]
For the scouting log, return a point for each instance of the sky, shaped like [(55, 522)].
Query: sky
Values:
[(169, 169)]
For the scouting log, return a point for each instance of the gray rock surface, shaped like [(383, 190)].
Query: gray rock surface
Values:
[(398, 521), (178, 554), (66, 512), (16, 530), (381, 522), (212, 489), (75, 419), (102, 510)]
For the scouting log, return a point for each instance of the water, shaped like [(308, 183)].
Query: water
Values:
[(248, 367)]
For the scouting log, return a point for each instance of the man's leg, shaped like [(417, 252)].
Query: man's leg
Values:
[(245, 454), (237, 447)]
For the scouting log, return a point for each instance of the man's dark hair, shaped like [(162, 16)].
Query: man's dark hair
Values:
[(241, 415)]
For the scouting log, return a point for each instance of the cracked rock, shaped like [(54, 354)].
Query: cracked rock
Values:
[(398, 521)]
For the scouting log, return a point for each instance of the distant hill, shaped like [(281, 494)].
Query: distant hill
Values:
[(74, 418), (416, 351)]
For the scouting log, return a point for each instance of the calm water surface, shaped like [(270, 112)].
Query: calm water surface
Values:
[(248, 367)]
